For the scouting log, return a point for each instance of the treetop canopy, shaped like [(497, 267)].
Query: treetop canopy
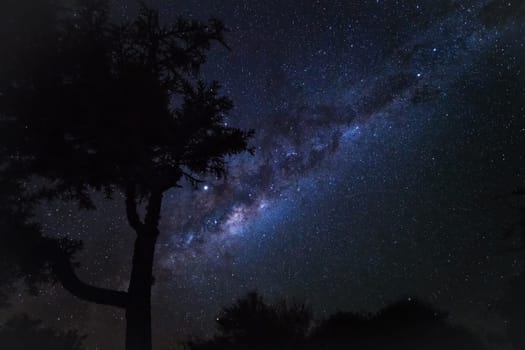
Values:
[(89, 104)]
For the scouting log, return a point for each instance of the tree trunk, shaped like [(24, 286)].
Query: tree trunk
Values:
[(138, 310)]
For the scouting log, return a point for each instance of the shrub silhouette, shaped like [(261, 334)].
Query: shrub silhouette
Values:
[(407, 324), (252, 323)]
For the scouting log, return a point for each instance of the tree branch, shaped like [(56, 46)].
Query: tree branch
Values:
[(193, 180), (64, 271), (131, 208)]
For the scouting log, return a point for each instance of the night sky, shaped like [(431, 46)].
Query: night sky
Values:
[(386, 132)]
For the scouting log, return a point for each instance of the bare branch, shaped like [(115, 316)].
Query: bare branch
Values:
[(64, 271), (193, 180)]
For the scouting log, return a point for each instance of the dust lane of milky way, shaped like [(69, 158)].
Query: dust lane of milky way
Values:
[(306, 140)]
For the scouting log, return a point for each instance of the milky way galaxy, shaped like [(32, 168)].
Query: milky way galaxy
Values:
[(383, 128)]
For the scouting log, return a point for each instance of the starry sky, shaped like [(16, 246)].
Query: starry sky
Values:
[(386, 131)]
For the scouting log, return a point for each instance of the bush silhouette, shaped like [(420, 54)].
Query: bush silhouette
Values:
[(407, 324), (252, 323)]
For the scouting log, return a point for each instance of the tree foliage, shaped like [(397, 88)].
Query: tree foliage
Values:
[(89, 104), (252, 320)]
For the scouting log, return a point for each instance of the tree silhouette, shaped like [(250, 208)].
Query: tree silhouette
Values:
[(22, 333), (251, 323), (251, 320), (25, 251), (87, 105), (407, 324)]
